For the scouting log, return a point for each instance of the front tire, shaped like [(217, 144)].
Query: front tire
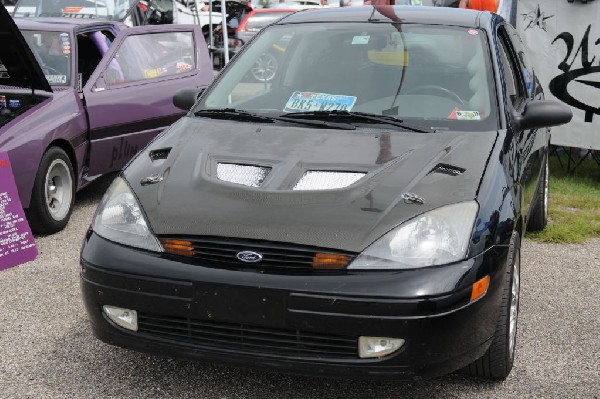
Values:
[(538, 219), (498, 361), (53, 193)]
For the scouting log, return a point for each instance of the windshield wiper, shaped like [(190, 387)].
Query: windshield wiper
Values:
[(232, 113), (238, 114), (355, 116)]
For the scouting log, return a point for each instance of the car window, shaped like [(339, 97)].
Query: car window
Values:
[(514, 86), (92, 46), (52, 50), (385, 69), (150, 56)]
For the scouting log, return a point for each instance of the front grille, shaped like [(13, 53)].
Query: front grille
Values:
[(247, 338), (222, 252)]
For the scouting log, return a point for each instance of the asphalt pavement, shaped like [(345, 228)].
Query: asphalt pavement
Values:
[(47, 349)]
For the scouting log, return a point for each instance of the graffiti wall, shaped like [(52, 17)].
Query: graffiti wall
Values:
[(564, 46)]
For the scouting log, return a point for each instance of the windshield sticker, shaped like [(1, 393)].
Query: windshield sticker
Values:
[(183, 66), (361, 39), (64, 34), (56, 79), (154, 73), (309, 101), (468, 115), (2, 101)]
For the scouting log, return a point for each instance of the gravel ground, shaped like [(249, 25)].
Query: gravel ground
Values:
[(47, 349)]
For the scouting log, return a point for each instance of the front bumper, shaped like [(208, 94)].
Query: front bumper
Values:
[(279, 321)]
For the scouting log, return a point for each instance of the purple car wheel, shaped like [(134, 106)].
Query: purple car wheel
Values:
[(53, 193)]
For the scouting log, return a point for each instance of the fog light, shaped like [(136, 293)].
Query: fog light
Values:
[(125, 318), (378, 346)]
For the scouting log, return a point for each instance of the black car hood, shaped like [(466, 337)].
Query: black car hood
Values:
[(191, 200), (18, 66)]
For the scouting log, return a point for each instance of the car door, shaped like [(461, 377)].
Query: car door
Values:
[(129, 97), (529, 146)]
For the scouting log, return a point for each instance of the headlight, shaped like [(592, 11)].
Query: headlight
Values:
[(119, 218), (435, 238)]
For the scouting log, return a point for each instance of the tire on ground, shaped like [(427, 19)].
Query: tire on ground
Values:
[(53, 193), (497, 362)]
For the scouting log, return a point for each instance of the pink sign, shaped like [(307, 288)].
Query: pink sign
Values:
[(17, 245)]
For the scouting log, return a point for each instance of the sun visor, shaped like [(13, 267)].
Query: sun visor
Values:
[(18, 66)]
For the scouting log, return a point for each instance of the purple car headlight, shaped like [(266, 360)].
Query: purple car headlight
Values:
[(119, 218)]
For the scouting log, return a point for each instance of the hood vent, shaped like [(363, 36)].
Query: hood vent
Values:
[(327, 180), (247, 175), (161, 153), (448, 169)]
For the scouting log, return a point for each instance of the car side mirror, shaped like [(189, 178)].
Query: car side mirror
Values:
[(543, 113), (186, 98)]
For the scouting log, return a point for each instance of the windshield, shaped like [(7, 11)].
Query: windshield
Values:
[(52, 50), (116, 10), (434, 76)]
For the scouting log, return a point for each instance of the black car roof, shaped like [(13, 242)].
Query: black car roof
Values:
[(406, 14)]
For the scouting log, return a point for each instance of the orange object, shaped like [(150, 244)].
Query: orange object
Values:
[(329, 261), (178, 247), (483, 5), (480, 288)]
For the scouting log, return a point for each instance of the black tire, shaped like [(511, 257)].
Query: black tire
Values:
[(53, 193), (497, 362), (538, 219)]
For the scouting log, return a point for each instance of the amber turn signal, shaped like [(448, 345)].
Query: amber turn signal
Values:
[(178, 247), (480, 288), (330, 261)]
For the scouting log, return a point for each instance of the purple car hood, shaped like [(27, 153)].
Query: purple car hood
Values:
[(198, 198), (18, 66)]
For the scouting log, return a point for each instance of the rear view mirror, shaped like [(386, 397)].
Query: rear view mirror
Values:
[(186, 98), (542, 113)]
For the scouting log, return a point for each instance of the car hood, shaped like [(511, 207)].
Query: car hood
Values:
[(18, 66), (197, 196)]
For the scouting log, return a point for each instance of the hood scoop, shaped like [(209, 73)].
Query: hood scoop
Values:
[(159, 154), (327, 180), (448, 169), (246, 175)]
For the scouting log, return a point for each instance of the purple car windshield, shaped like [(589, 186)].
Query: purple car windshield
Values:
[(52, 50)]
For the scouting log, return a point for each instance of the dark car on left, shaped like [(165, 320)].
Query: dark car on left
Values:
[(79, 97)]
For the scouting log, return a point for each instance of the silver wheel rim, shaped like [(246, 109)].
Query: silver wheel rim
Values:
[(514, 305), (546, 191), (264, 68), (59, 189)]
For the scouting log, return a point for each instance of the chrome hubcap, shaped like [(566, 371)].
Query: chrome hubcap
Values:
[(59, 189), (514, 305)]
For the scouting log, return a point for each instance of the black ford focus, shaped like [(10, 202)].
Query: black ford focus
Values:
[(360, 214)]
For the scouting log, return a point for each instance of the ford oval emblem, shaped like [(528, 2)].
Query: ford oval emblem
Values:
[(249, 256)]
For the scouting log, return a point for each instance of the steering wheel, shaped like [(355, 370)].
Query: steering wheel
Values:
[(436, 90)]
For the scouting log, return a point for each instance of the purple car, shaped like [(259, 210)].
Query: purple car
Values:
[(79, 98)]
